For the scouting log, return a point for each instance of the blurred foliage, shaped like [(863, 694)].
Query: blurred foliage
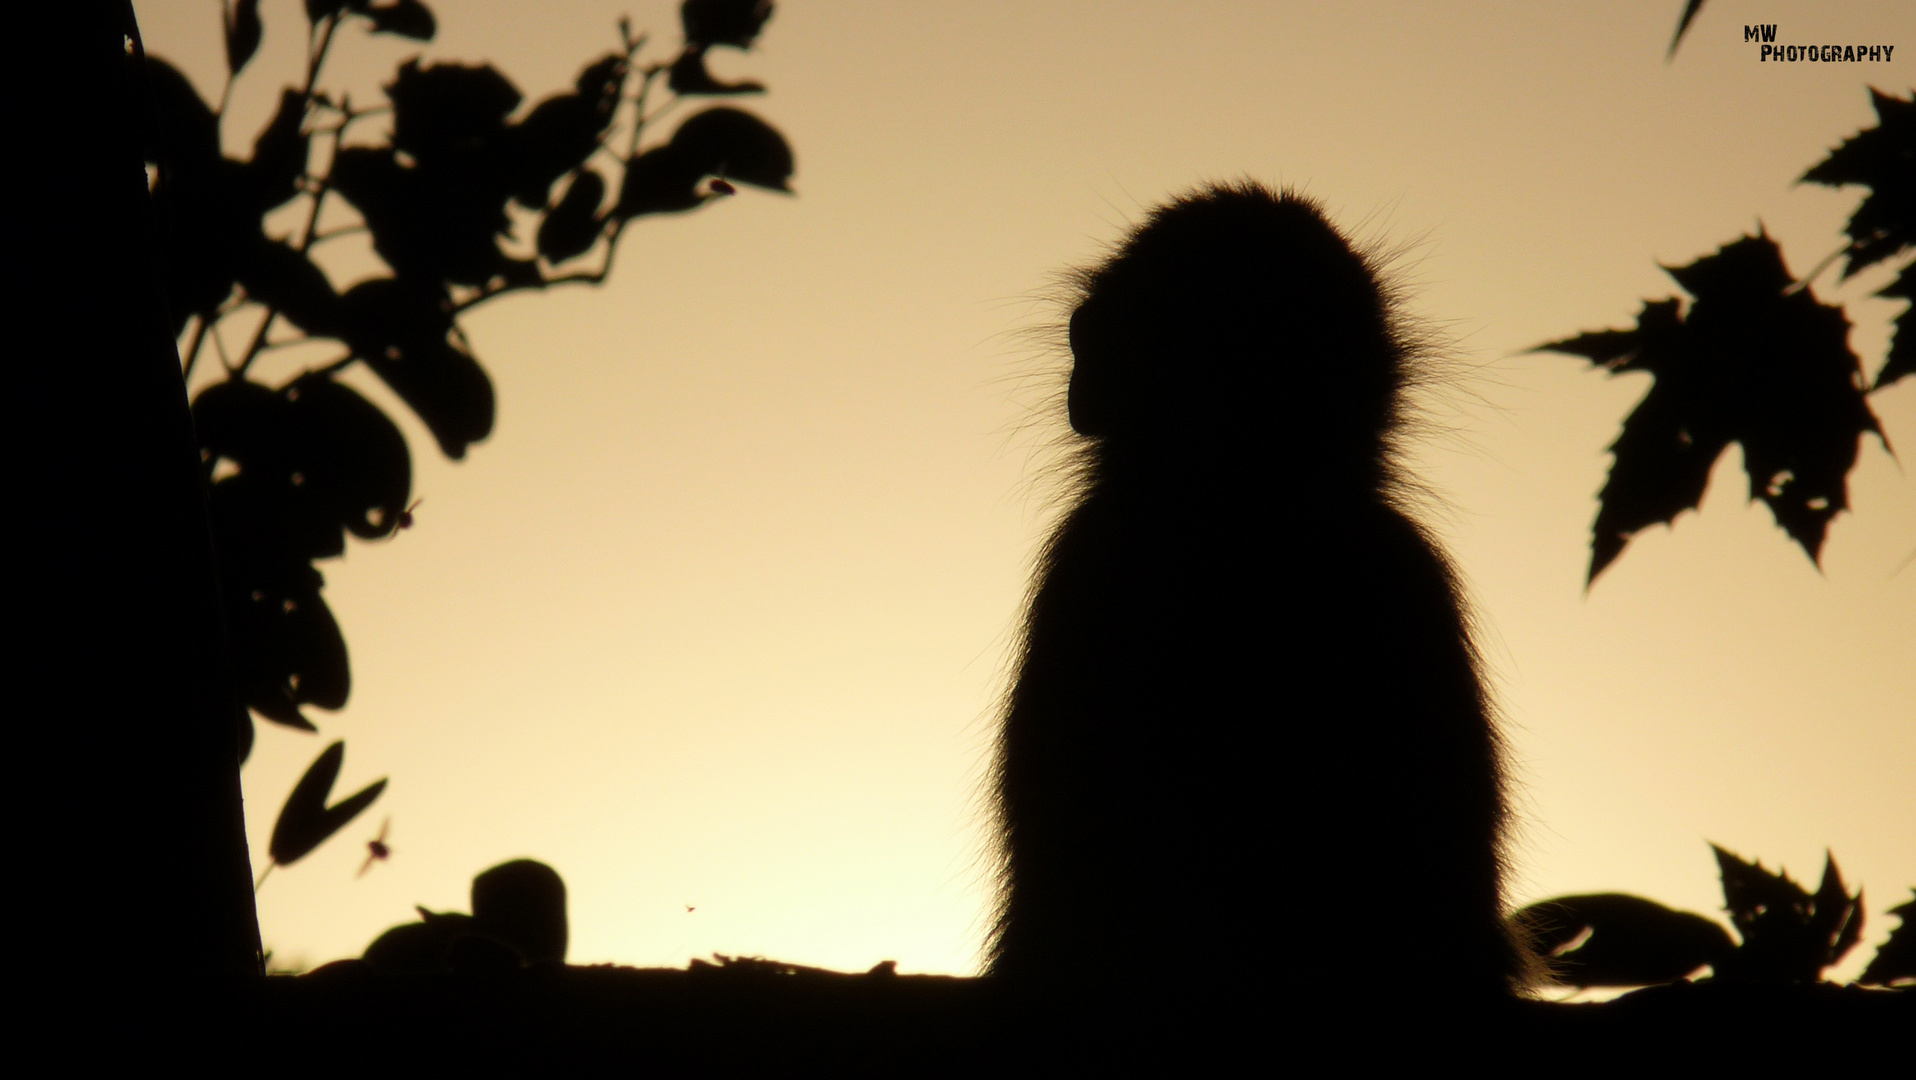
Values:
[(1895, 963), (295, 465), (306, 821), (1788, 934), (518, 920), (1754, 358)]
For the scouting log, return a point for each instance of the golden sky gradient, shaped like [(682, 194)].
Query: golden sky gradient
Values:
[(718, 615)]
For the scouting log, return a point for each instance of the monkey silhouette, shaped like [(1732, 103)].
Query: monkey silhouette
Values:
[(1247, 767)]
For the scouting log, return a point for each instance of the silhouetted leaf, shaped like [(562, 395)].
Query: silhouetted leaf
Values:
[(1902, 346), (276, 275), (1788, 934), (1690, 9), (1882, 158), (287, 648), (242, 34), (1838, 918), (439, 220), (717, 142), (1895, 963), (203, 218), (563, 131), (724, 22), (181, 132), (306, 822), (574, 225), (207, 207), (405, 333), (736, 145), (1615, 939), (309, 459), (688, 75), (356, 464), (320, 9), (448, 110), (340, 460), (1751, 363), (661, 180), (407, 18), (279, 156)]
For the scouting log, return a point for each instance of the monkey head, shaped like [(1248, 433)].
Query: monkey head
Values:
[(1235, 319)]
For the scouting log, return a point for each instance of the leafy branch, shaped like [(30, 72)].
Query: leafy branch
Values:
[(1788, 934), (293, 467), (1755, 359)]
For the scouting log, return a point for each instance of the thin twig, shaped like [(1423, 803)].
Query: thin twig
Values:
[(611, 236), (193, 349), (1904, 565), (338, 365), (662, 110), (318, 56), (219, 346), (315, 60), (258, 342), (333, 234)]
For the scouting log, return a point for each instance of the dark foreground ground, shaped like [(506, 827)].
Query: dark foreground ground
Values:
[(763, 1019)]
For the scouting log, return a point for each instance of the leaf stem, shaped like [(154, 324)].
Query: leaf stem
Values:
[(219, 346), (307, 235), (333, 234), (338, 365), (1803, 284), (317, 57)]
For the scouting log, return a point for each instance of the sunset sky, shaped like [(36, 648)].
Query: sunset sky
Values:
[(718, 615)]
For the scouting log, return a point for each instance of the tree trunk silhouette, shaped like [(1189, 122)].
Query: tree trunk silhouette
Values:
[(131, 883)]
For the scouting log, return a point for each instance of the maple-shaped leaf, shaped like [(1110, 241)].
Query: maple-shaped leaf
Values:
[(306, 822), (1902, 345), (1753, 361), (1883, 159), (1615, 939), (1895, 963), (1789, 935)]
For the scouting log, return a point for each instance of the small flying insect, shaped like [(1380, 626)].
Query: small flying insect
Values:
[(377, 850)]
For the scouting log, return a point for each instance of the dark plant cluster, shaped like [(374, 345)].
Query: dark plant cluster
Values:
[(1788, 934), (1754, 358), (443, 193)]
